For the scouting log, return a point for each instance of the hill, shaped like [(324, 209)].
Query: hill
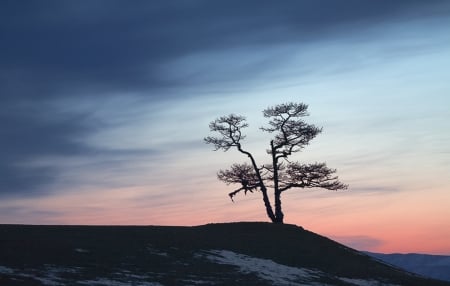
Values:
[(214, 254), (434, 266)]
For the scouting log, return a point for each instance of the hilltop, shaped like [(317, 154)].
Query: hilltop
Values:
[(213, 254)]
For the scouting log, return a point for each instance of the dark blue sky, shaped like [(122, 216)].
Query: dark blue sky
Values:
[(58, 51)]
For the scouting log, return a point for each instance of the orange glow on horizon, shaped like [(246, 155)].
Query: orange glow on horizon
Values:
[(347, 217)]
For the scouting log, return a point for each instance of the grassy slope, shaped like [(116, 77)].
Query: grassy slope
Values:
[(102, 250)]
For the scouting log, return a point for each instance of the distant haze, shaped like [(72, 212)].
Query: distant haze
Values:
[(434, 266)]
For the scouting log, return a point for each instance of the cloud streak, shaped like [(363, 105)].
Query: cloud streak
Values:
[(360, 242)]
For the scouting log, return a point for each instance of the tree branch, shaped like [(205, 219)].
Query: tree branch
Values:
[(316, 175), (229, 127), (293, 134), (242, 174)]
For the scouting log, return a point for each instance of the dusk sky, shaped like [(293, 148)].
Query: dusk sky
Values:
[(105, 104)]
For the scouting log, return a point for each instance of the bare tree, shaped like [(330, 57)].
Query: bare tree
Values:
[(291, 135)]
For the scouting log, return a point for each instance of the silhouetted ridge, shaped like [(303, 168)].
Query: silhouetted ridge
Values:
[(212, 254)]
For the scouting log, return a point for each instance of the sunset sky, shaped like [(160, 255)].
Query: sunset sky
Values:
[(105, 104)]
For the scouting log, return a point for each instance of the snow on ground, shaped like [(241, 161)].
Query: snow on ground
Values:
[(363, 282), (280, 274), (81, 250), (156, 251), (196, 282), (6, 270), (265, 269), (51, 275), (108, 282)]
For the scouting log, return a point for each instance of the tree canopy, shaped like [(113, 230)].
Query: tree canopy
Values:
[(290, 134)]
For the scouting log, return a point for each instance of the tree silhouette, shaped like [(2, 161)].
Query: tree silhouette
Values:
[(291, 135)]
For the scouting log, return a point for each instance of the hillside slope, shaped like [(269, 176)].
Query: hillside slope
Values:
[(214, 254), (434, 266)]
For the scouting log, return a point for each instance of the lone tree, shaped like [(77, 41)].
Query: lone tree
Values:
[(291, 135)]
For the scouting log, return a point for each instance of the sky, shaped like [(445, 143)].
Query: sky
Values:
[(105, 104)]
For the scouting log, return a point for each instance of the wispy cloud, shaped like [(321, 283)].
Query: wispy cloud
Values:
[(360, 242)]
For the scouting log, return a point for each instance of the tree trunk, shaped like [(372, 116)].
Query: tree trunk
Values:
[(278, 213), (263, 188), (279, 216), (278, 220), (269, 210)]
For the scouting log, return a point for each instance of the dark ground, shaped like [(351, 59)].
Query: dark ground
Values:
[(157, 255)]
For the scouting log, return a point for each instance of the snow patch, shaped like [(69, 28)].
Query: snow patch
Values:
[(127, 274), (109, 282), (363, 282), (155, 251), (196, 282), (6, 270), (50, 275), (266, 269), (279, 274)]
